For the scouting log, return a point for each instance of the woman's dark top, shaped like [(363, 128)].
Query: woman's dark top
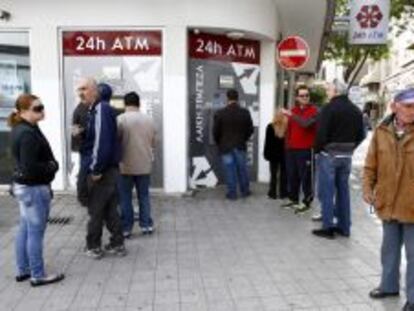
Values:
[(274, 148), (35, 163)]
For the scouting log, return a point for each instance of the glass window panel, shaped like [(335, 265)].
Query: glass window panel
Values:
[(14, 80)]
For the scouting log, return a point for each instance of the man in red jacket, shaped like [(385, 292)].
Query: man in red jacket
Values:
[(300, 137)]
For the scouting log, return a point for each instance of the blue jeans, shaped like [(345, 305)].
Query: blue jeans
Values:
[(333, 191), (34, 205), (394, 235), (126, 184), (235, 169)]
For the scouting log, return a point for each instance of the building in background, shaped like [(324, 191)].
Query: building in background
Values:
[(180, 56), (384, 78), (14, 79)]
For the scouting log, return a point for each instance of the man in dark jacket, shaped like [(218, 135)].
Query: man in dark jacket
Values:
[(232, 128), (340, 131), (79, 126), (99, 159)]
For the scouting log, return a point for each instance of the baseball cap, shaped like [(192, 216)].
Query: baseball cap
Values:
[(405, 96)]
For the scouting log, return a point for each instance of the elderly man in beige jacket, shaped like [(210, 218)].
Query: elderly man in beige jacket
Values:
[(388, 185), (137, 136)]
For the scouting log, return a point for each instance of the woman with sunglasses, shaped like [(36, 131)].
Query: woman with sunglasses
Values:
[(35, 169)]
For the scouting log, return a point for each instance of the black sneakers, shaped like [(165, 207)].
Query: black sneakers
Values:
[(377, 293), (127, 234), (324, 233), (119, 250), (50, 279), (246, 194), (340, 232), (98, 253), (95, 253), (272, 196), (330, 233), (408, 307), (22, 278)]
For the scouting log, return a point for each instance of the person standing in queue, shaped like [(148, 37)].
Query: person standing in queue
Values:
[(232, 128), (274, 152), (79, 125), (78, 131), (340, 131), (99, 158), (300, 137), (35, 169), (137, 134), (388, 180)]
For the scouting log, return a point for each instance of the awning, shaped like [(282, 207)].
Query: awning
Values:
[(401, 79), (372, 77)]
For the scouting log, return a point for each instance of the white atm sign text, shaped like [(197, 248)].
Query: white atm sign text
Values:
[(93, 43)]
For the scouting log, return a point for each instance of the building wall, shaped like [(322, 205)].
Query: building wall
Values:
[(44, 19)]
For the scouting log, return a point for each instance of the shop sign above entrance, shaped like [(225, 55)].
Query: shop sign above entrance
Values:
[(91, 43), (222, 48), (293, 53)]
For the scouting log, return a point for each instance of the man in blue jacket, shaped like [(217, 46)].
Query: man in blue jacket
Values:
[(100, 160)]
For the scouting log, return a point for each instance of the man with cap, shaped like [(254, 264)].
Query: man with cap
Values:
[(388, 185)]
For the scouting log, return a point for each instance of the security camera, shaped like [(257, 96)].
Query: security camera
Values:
[(4, 15)]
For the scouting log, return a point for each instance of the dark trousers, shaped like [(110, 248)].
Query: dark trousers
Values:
[(278, 179), (82, 187), (103, 208), (299, 165)]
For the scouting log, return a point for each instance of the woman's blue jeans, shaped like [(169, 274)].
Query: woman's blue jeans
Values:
[(34, 206)]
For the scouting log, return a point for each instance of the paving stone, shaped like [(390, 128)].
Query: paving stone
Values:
[(207, 254)]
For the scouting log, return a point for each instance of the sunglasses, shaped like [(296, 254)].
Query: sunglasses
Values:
[(304, 96), (38, 108)]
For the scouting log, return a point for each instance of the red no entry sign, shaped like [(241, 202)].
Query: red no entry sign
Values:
[(293, 53)]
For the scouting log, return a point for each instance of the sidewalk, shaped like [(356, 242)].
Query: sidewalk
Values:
[(207, 254)]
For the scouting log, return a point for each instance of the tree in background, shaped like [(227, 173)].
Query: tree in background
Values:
[(318, 96), (353, 57)]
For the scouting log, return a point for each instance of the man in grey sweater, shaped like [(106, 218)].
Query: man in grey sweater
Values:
[(137, 135)]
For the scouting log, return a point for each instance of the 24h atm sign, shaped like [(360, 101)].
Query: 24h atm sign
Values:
[(369, 22)]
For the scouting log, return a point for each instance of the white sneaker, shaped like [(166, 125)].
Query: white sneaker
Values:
[(148, 230), (317, 217)]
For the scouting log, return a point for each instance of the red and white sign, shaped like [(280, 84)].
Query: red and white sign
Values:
[(222, 48), (112, 43), (293, 53)]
